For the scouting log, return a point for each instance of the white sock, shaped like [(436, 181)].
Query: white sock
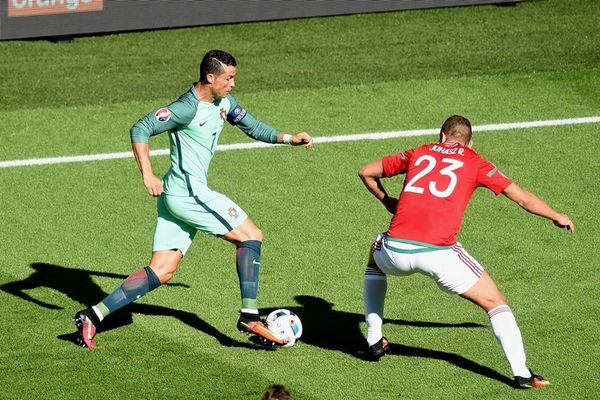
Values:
[(98, 313), (507, 331), (374, 299)]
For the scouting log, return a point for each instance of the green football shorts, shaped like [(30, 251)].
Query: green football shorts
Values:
[(180, 217)]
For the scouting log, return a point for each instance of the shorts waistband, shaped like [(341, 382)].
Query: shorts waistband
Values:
[(410, 246)]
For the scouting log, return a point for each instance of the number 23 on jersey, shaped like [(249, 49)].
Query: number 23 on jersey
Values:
[(442, 180)]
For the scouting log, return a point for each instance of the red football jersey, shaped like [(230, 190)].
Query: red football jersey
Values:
[(440, 180)]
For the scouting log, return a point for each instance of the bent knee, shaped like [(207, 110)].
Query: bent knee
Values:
[(493, 302), (256, 234), (245, 232), (165, 263), (163, 272), (485, 295)]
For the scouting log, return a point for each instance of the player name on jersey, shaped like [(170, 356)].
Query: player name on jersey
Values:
[(445, 150)]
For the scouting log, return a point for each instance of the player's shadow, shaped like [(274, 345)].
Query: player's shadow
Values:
[(330, 329), (78, 285)]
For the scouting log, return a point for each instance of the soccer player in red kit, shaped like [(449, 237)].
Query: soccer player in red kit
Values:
[(440, 180)]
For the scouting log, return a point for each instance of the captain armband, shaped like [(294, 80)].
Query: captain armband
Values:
[(236, 115)]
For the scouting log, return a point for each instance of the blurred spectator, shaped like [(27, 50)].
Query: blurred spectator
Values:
[(276, 392)]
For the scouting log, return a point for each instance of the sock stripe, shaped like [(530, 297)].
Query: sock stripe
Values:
[(373, 271), (499, 310)]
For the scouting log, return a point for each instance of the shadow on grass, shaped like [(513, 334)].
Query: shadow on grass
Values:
[(78, 285), (327, 328), (451, 358)]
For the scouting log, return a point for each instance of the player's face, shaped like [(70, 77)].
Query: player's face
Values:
[(223, 84)]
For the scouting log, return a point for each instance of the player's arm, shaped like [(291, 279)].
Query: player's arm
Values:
[(149, 125), (371, 175), (530, 202), (153, 184), (261, 131)]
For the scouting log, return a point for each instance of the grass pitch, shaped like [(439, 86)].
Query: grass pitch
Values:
[(72, 232)]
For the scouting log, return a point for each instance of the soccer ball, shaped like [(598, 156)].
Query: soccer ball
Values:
[(285, 325)]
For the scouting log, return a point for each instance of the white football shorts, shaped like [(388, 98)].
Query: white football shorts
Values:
[(451, 267)]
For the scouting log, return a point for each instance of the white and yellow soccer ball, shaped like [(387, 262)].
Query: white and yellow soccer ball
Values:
[(285, 325)]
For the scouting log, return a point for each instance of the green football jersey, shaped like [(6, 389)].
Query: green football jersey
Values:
[(194, 128)]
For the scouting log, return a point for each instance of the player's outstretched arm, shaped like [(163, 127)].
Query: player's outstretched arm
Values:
[(141, 151), (370, 174), (261, 131), (530, 202)]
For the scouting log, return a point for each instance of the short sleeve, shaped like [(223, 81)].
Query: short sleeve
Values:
[(396, 164), (178, 113), (491, 177)]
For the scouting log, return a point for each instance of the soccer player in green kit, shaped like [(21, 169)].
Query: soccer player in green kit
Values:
[(185, 203)]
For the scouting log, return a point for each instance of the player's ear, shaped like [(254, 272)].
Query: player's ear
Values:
[(210, 78), (443, 137), (470, 144)]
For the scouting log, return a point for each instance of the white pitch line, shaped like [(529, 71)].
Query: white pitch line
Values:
[(320, 139)]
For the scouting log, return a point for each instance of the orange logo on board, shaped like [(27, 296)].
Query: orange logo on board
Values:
[(26, 8)]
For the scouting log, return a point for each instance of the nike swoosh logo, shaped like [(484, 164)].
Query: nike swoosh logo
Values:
[(202, 123), (255, 262)]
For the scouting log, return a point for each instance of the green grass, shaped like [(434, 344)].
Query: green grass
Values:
[(86, 226), (318, 53)]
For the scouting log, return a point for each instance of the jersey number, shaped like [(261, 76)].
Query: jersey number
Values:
[(448, 171), (212, 145)]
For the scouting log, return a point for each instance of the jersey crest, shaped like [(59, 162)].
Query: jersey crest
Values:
[(233, 213), (162, 114)]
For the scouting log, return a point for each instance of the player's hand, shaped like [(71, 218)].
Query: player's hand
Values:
[(302, 138), (390, 204), (153, 185), (563, 221)]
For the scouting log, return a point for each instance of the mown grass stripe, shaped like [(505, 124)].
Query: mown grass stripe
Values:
[(321, 139)]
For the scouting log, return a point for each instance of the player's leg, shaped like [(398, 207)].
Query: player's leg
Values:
[(486, 294), (172, 238), (374, 291), (162, 265), (387, 257), (133, 287), (216, 214), (247, 238)]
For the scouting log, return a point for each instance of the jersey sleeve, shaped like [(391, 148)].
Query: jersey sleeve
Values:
[(491, 177), (250, 125), (179, 113), (396, 164)]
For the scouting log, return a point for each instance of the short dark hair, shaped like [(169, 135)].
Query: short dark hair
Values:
[(276, 392), (214, 62), (457, 127)]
